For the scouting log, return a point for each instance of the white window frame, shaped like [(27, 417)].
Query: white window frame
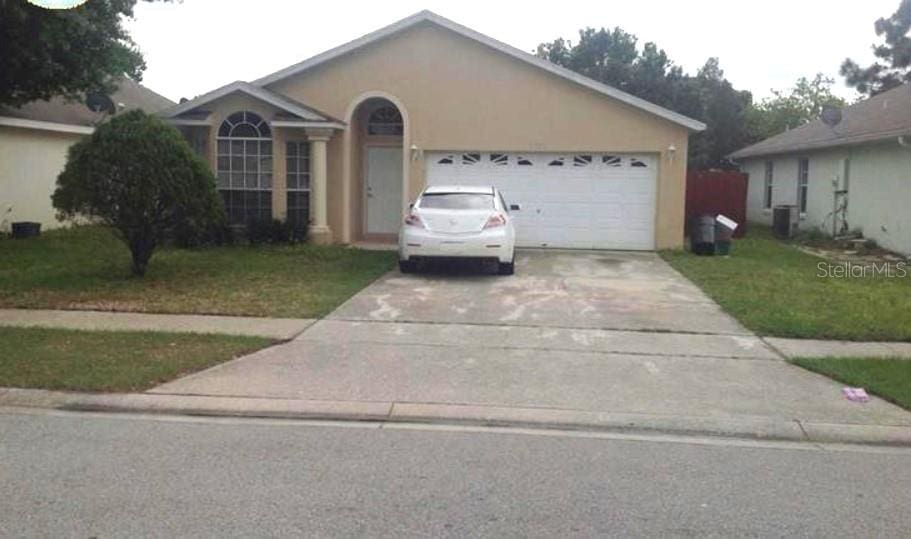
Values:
[(301, 157), (263, 175), (768, 184), (803, 183), (385, 120)]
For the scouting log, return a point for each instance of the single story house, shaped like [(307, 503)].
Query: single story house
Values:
[(848, 173), (346, 140), (34, 140)]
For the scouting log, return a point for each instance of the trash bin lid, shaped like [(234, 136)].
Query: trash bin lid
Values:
[(729, 223)]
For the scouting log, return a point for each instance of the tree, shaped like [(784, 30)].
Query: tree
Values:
[(715, 101), (893, 65), (612, 57), (64, 52), (789, 109), (138, 176)]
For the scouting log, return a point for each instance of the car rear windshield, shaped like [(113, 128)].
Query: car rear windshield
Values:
[(457, 201)]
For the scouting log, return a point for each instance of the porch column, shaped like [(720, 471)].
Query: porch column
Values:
[(319, 224)]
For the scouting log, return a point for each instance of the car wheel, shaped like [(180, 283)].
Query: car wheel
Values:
[(407, 266), (507, 268)]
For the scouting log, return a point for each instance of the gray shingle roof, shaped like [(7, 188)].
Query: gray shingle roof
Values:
[(132, 94), (883, 116)]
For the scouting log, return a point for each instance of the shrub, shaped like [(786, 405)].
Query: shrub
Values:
[(138, 176), (274, 231), (813, 237), (187, 236)]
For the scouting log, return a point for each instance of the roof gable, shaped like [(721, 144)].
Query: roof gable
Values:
[(284, 103), (883, 116), (427, 16)]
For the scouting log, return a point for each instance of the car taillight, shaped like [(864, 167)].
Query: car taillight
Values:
[(413, 220), (495, 220)]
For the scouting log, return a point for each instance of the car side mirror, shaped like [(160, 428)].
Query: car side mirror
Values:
[(514, 207)]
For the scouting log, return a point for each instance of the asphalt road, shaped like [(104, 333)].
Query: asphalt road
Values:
[(89, 475)]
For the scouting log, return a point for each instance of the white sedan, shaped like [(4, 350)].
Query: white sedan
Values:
[(458, 222)]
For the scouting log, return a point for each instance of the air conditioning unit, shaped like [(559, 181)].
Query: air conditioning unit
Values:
[(785, 220)]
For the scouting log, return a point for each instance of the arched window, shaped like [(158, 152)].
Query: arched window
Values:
[(244, 125), (386, 120), (244, 168)]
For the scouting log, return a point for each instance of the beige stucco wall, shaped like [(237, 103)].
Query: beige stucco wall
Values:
[(878, 198), (30, 161), (458, 94)]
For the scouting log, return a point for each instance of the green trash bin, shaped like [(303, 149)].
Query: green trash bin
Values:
[(724, 231)]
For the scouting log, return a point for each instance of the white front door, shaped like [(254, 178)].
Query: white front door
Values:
[(574, 200), (383, 189)]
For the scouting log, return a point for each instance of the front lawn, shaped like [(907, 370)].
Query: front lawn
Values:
[(886, 378), (110, 361), (774, 289), (88, 268)]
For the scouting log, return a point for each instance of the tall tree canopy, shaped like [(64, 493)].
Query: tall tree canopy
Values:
[(64, 52), (893, 65), (789, 109), (613, 57)]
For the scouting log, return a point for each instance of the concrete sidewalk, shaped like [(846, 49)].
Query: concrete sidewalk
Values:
[(794, 348), (273, 328)]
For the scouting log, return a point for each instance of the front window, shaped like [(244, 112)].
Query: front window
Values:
[(297, 160), (385, 121), (457, 201), (244, 168), (767, 185), (803, 177)]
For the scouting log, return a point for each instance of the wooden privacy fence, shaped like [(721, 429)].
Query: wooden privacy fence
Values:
[(710, 192)]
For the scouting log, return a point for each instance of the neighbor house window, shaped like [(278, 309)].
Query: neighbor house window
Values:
[(803, 177), (297, 160), (244, 168), (767, 185), (846, 175), (385, 121)]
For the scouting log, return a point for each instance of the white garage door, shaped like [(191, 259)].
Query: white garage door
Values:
[(581, 201)]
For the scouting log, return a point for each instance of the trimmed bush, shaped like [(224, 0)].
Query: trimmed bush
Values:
[(275, 232), (139, 176)]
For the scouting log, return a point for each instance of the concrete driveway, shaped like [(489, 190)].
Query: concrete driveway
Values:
[(552, 289), (592, 331)]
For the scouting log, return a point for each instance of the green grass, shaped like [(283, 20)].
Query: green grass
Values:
[(886, 378), (110, 361), (88, 268), (774, 289)]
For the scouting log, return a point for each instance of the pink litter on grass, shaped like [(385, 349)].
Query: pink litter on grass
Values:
[(855, 394)]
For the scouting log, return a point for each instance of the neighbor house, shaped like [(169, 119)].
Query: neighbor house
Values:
[(34, 140), (851, 173), (346, 140)]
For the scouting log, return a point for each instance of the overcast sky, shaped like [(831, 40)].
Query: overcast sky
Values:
[(198, 45)]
